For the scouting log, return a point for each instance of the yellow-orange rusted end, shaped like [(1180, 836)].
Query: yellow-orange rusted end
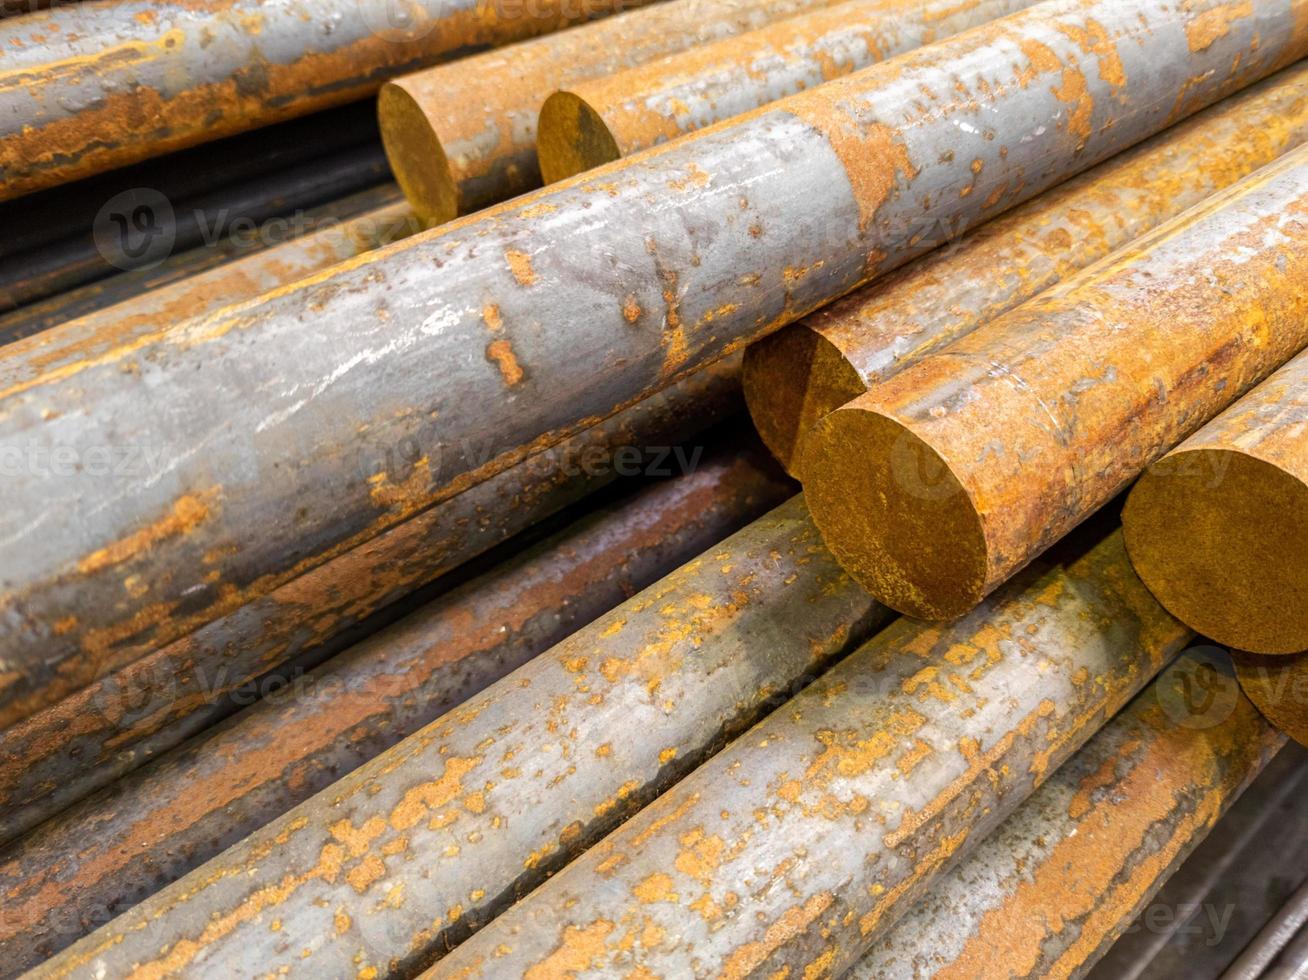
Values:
[(416, 156), (572, 138), (1278, 686), (791, 380), (1217, 535), (895, 515)]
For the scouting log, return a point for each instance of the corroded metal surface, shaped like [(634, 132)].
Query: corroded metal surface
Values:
[(613, 116), (1214, 527), (409, 854), (119, 721), (272, 427), (798, 845), (810, 369), (945, 479), (1278, 685), (97, 860), (91, 86), (460, 137), (1049, 891), (237, 267)]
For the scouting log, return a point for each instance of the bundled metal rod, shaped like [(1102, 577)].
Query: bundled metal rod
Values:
[(462, 136), (466, 815), (802, 373), (100, 84), (447, 343), (609, 117), (119, 720), (803, 841), (1276, 938), (944, 480), (1047, 893), (168, 818), (240, 266), (1208, 525)]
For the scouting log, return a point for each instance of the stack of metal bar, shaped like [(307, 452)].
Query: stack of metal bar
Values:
[(853, 520)]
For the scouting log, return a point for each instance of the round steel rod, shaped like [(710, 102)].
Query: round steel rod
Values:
[(802, 373), (799, 844), (1212, 526), (941, 482), (610, 117)]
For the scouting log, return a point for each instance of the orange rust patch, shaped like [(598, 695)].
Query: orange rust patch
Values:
[(1214, 24), (578, 950), (520, 266), (500, 352), (187, 513), (793, 921)]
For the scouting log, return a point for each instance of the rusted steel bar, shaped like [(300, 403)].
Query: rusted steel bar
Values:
[(249, 416), (1278, 685), (606, 118), (119, 721), (1055, 886), (240, 266), (97, 860), (798, 375), (945, 479), (512, 784), (800, 844), (460, 137), (1208, 525), (98, 85)]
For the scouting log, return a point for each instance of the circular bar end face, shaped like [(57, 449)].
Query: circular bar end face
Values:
[(1219, 537), (1278, 687), (793, 379), (416, 156), (572, 138), (895, 515)]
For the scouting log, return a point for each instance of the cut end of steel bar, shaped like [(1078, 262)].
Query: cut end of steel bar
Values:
[(571, 138), (895, 515), (1207, 529), (1278, 687), (416, 156), (792, 380)]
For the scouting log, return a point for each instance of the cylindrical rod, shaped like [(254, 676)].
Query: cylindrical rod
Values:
[(178, 812), (810, 369), (462, 136), (469, 813), (264, 428), (91, 86), (98, 727), (797, 846), (944, 480), (1218, 528), (609, 117), (1049, 891), (240, 266), (1278, 685)]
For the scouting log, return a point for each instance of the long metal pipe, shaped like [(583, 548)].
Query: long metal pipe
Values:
[(941, 482), (802, 373), (90, 735), (1054, 887), (449, 343), (608, 117), (800, 844), (1209, 523), (462, 136), (466, 815), (78, 871), (97, 85)]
